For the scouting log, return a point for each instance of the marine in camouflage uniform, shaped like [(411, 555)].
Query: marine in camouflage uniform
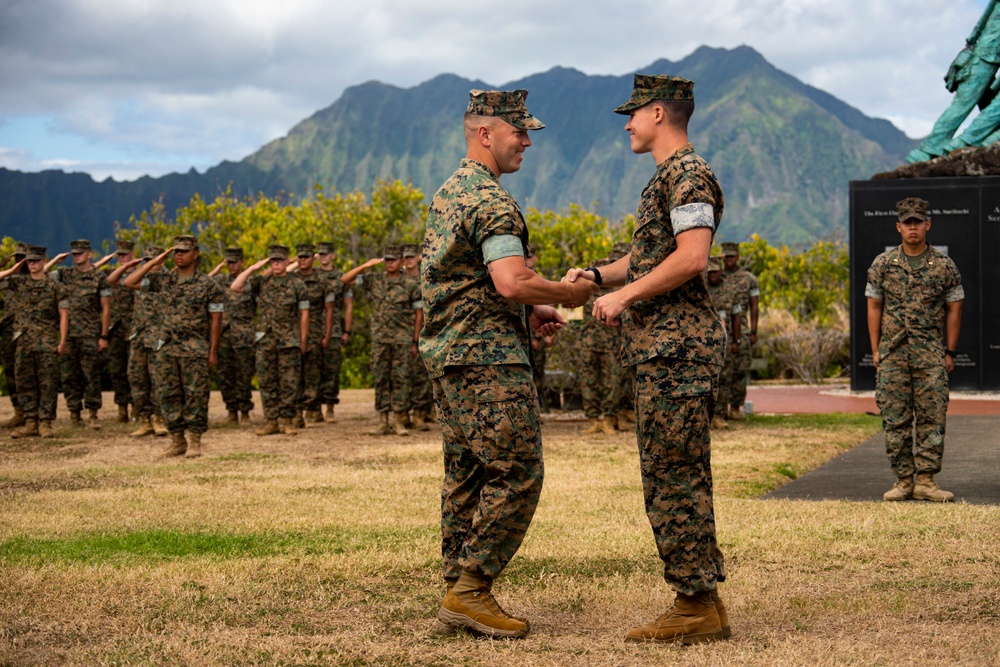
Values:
[(397, 315), (539, 344), (236, 346), (122, 305), (8, 346), (320, 333), (675, 342), (729, 313), (421, 393), (599, 369), (476, 346), (915, 297), (281, 337), (89, 321), (188, 344), (143, 337), (744, 291), (342, 299), (42, 324)]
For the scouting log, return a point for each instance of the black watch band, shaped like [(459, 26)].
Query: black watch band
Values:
[(951, 353), (597, 274)]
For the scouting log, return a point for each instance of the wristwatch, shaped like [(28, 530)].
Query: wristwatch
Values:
[(951, 353), (597, 274)]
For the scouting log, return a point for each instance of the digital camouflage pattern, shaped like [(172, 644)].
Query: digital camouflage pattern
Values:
[(391, 367), (37, 332), (741, 285), (333, 355), (237, 357), (394, 301), (8, 346), (280, 299), (647, 88), (317, 288), (80, 363), (493, 466), (421, 390), (467, 322), (183, 387), (85, 290), (681, 323), (122, 307), (723, 305), (510, 105), (143, 339), (599, 367), (279, 374), (911, 381)]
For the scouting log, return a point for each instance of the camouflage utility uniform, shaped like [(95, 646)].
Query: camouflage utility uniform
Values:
[(911, 381), (80, 364), (476, 346), (143, 338), (675, 342), (724, 305), (236, 347), (742, 286), (182, 350), (280, 299), (337, 293), (8, 345), (122, 307), (394, 301), (37, 332), (600, 367), (317, 289)]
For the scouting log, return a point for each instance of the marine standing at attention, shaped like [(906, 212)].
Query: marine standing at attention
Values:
[(475, 343)]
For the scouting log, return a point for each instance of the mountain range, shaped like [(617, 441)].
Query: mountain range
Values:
[(784, 152)]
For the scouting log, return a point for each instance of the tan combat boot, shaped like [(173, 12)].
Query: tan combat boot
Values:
[(329, 413), (397, 424), (470, 604), (16, 421), (610, 426), (145, 428), (736, 415), (94, 422), (596, 426), (404, 419), (270, 428), (383, 425), (178, 445), (926, 489), (720, 608), (75, 419), (123, 414), (29, 430), (245, 417), (693, 619), (232, 417), (901, 490), (419, 423), (719, 423), (194, 446), (159, 428), (45, 428), (298, 421), (626, 416), (287, 426)]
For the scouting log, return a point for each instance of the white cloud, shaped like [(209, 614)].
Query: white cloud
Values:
[(216, 80)]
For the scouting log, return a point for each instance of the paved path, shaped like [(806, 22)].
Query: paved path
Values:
[(816, 399)]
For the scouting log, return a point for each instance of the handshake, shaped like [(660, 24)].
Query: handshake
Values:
[(609, 307)]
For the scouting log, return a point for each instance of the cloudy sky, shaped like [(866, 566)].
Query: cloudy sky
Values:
[(123, 88)]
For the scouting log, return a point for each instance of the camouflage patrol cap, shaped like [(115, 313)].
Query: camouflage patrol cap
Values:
[(411, 250), (392, 252), (20, 249), (35, 252), (325, 247), (124, 246), (649, 87), (913, 207), (305, 250), (185, 242), (152, 251), (233, 254), (730, 249), (530, 250), (508, 105), (277, 251), (82, 245), (714, 264)]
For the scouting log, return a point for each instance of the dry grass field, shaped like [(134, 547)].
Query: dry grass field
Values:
[(322, 549)]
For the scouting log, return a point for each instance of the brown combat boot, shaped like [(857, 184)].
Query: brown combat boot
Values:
[(397, 425), (298, 421), (383, 427), (926, 489), (232, 417), (596, 426), (693, 619), (610, 425), (470, 604), (145, 428), (75, 419), (404, 419), (736, 415), (178, 445), (29, 430), (719, 423), (901, 490), (16, 421), (329, 413), (270, 428), (245, 417), (720, 608), (419, 423), (626, 416), (159, 428), (287, 426), (123, 414), (194, 446), (94, 422)]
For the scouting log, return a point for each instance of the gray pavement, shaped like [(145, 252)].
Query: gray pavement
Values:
[(970, 470)]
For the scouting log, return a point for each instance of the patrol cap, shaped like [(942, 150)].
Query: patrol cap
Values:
[(714, 264), (82, 245), (392, 252), (277, 252), (20, 249), (305, 250), (325, 247), (913, 207), (124, 246), (233, 254), (507, 105), (185, 242), (411, 250), (730, 249), (649, 87), (35, 252), (152, 251)]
